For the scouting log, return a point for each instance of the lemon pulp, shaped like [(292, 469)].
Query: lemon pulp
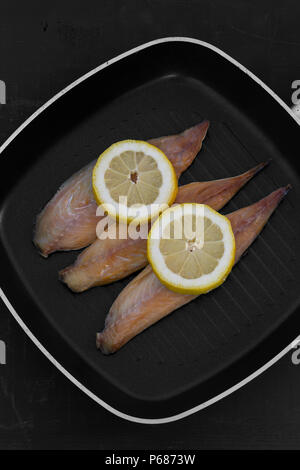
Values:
[(134, 180), (191, 248)]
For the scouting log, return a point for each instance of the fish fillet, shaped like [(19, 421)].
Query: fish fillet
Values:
[(109, 260), (68, 221), (144, 301)]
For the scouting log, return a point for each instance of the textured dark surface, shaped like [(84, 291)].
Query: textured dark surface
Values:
[(177, 359), (54, 48)]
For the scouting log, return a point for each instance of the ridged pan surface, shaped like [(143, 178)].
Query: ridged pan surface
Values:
[(192, 353)]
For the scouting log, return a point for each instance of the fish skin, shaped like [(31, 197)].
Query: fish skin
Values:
[(109, 260), (144, 301), (181, 149), (68, 221)]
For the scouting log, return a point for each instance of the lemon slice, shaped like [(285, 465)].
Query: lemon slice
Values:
[(191, 248), (134, 180)]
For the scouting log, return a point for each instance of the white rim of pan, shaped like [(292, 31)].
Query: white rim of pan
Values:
[(8, 304)]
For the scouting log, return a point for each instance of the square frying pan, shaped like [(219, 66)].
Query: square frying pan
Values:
[(220, 341)]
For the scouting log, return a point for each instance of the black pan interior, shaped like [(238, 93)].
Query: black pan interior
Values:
[(209, 344)]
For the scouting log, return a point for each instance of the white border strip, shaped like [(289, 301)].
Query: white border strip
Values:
[(94, 397)]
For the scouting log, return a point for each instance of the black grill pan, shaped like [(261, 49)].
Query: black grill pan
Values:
[(211, 344)]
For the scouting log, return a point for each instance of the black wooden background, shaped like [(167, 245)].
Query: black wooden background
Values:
[(43, 47)]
